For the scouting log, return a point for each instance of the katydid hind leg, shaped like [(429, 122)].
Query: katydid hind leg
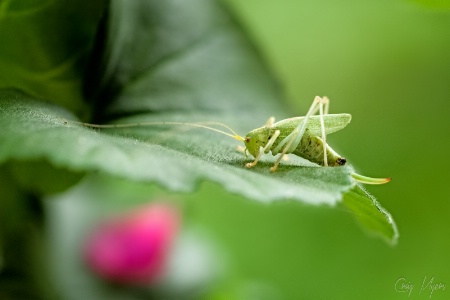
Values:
[(298, 132), (322, 106), (322, 127), (326, 104), (293, 140)]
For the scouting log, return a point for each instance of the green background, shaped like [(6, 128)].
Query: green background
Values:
[(388, 64)]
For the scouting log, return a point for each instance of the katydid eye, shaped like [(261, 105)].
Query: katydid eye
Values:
[(247, 139)]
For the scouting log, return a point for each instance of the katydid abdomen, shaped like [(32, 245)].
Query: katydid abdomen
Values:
[(311, 148)]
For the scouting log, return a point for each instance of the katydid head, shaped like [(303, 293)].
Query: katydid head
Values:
[(251, 141)]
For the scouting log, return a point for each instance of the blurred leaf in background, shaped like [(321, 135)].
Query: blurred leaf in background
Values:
[(45, 46)]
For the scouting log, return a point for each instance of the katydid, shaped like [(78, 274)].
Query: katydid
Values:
[(300, 136)]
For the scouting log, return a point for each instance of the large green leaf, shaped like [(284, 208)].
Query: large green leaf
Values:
[(170, 61), (175, 159), (45, 45), (370, 214)]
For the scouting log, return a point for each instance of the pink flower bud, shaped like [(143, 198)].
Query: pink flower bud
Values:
[(132, 249)]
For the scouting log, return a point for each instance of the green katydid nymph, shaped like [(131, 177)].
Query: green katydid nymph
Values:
[(300, 136)]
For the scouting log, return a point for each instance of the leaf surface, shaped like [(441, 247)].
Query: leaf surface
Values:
[(176, 159), (370, 214), (179, 61)]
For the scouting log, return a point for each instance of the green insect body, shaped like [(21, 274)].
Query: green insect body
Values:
[(301, 136), (304, 137), (311, 147)]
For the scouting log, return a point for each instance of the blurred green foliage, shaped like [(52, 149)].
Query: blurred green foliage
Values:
[(46, 46)]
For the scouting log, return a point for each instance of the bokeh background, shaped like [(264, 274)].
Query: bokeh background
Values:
[(388, 64)]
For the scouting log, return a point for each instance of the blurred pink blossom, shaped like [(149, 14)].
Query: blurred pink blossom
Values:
[(133, 248)]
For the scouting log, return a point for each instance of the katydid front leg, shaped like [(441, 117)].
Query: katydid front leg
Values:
[(266, 149)]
